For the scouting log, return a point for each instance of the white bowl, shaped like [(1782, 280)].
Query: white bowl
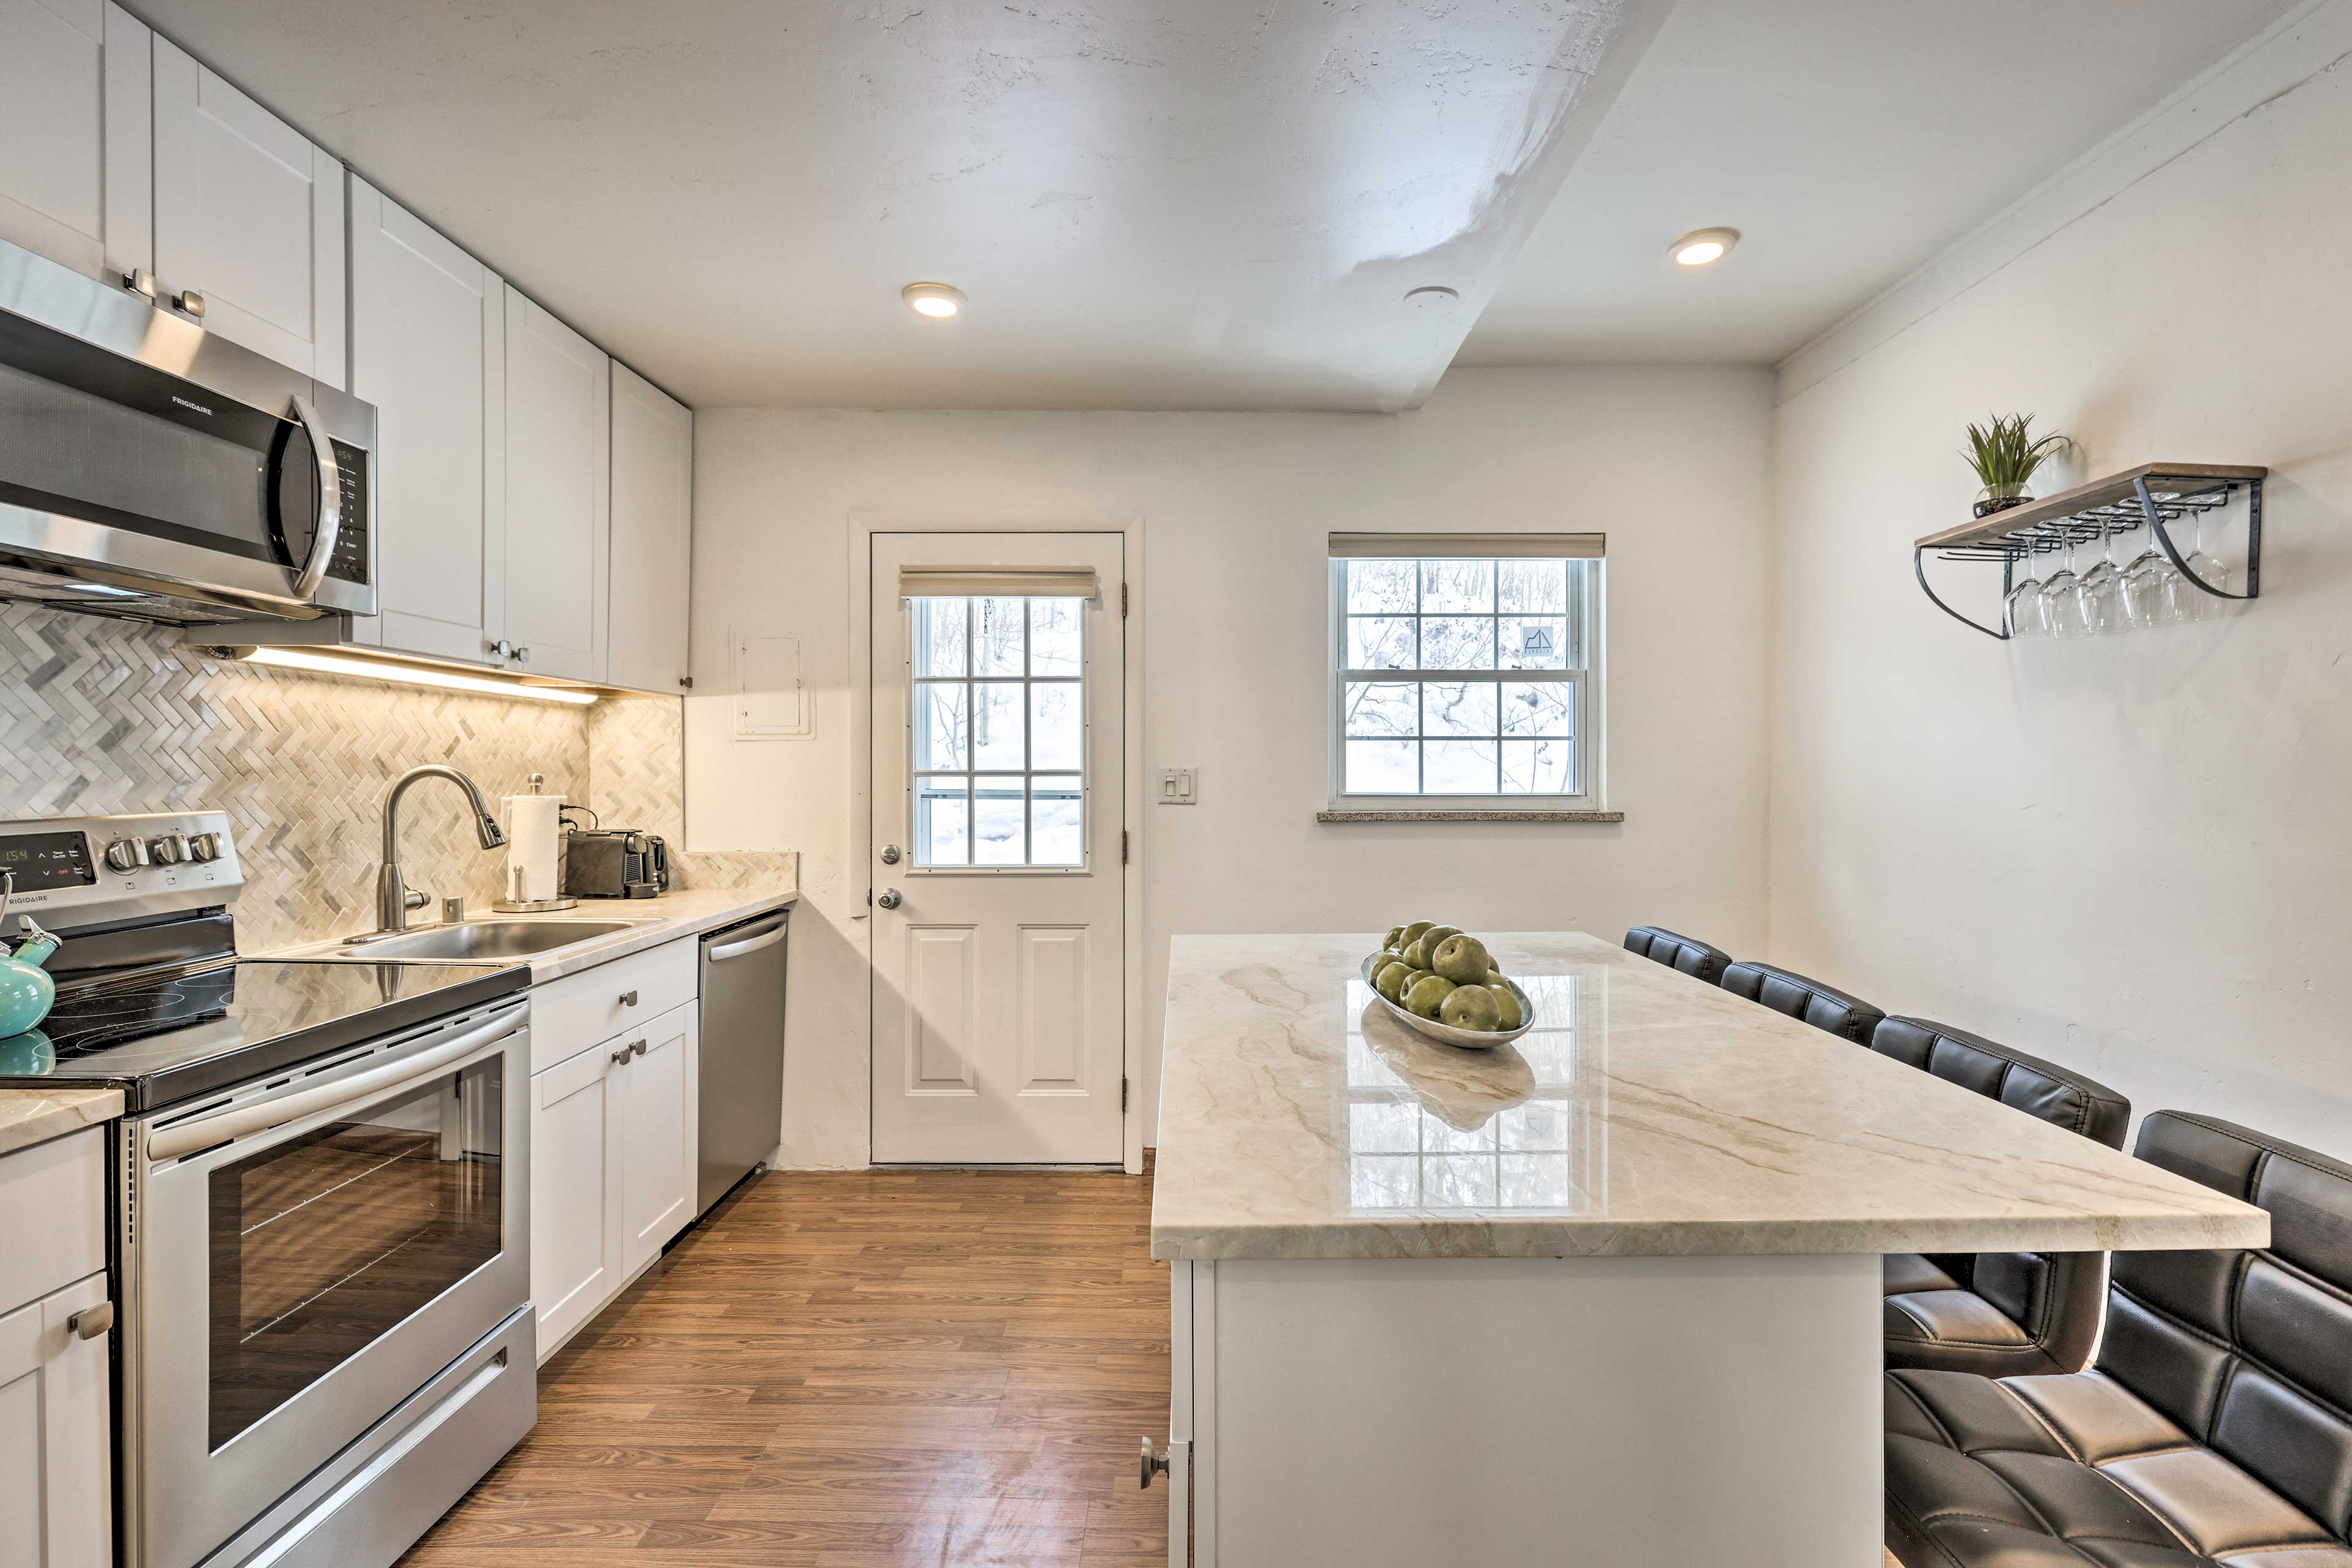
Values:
[(1472, 1039)]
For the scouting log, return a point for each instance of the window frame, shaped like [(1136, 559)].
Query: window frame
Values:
[(1589, 706)]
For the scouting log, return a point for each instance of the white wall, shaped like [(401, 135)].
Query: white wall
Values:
[(2130, 854), (1671, 462)]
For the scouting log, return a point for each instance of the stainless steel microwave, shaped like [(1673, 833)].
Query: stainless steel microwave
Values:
[(153, 470)]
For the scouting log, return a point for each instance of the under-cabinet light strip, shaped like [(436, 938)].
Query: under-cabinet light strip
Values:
[(447, 680)]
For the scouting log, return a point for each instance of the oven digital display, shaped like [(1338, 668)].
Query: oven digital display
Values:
[(44, 861)]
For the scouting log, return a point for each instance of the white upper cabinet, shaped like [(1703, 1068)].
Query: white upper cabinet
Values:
[(76, 177), (653, 534), (428, 349), (248, 218), (556, 553)]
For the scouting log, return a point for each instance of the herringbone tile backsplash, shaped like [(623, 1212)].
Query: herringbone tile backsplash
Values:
[(99, 716)]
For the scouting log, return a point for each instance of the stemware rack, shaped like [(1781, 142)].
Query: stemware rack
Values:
[(2153, 495)]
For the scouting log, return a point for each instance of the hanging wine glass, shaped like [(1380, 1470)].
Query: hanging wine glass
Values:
[(2062, 608), (2200, 605), (2143, 586), (2024, 600), (2101, 589)]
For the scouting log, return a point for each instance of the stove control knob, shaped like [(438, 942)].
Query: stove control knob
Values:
[(126, 854), (171, 849), (204, 846)]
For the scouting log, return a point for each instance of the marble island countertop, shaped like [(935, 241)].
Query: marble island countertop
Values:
[(1647, 1114), (30, 1116)]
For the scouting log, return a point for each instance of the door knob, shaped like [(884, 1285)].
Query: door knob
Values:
[(889, 854), (1155, 1463), (889, 898)]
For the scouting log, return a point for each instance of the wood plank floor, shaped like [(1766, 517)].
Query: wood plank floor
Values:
[(847, 1370)]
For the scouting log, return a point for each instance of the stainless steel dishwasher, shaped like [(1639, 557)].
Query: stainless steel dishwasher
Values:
[(743, 1051)]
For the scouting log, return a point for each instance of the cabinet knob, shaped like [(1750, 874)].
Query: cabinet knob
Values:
[(522, 656), (686, 682), (1155, 1463), (191, 302), (628, 998), (91, 1322), (638, 1049), (621, 1056), (138, 280), (503, 648)]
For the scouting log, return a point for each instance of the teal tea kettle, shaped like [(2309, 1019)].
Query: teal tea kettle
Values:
[(27, 991)]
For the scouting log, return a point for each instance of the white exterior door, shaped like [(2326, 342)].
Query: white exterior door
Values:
[(998, 681)]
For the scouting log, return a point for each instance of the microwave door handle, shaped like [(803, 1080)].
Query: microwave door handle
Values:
[(329, 481)]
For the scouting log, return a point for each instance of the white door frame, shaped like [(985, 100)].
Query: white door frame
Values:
[(863, 526)]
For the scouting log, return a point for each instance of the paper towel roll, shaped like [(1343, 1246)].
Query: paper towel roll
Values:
[(530, 823)]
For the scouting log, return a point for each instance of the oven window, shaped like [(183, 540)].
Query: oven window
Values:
[(323, 1245)]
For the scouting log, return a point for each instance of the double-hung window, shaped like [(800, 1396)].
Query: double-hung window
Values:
[(1465, 672)]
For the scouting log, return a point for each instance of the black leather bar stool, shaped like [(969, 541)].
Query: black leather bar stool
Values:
[(2216, 1430), (1687, 953), (1822, 1006), (1998, 1313)]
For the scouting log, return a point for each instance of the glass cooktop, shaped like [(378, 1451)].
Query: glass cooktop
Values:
[(207, 1028)]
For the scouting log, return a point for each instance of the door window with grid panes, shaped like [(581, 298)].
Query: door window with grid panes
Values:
[(998, 731), (1465, 677)]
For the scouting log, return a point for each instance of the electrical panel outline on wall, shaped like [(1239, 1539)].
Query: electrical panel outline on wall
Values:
[(770, 695)]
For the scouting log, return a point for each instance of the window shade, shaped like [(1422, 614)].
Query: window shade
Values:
[(1473, 546), (1002, 582)]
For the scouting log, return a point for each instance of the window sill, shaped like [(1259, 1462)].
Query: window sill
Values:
[(1459, 814)]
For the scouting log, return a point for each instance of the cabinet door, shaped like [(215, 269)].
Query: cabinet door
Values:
[(428, 324), (575, 1195), (559, 495), (250, 215), (658, 1114), (653, 532), (57, 1485), (76, 177)]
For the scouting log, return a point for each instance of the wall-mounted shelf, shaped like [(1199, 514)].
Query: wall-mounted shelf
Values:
[(2154, 496)]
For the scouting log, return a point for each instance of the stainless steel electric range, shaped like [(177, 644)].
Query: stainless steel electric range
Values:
[(320, 1213)]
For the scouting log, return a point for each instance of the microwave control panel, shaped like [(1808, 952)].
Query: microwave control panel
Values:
[(349, 563)]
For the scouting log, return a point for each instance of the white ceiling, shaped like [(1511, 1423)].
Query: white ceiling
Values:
[(1214, 203), (1848, 140)]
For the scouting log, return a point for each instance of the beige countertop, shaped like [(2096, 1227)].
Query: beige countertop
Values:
[(30, 1116), (1648, 1113)]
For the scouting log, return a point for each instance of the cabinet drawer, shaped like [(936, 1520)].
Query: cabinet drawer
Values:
[(570, 1015), (52, 1215)]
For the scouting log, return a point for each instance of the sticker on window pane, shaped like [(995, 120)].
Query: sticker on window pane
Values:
[(1457, 642), (1457, 767), (1381, 587), (1056, 725), (942, 729), (1534, 642), (997, 738), (940, 635), (1056, 630), (1056, 821), (942, 836), (1458, 587), (1384, 767), (997, 637), (1458, 707), (999, 807), (1379, 642), (1383, 709), (1538, 767), (1539, 707), (1531, 587)]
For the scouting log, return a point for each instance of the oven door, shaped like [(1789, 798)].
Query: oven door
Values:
[(305, 1254)]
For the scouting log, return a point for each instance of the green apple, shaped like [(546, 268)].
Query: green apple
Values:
[(1461, 959), (1470, 1008), (1395, 941), (1436, 934), (1507, 1005), (1417, 953), (1390, 981), (1409, 934), (1427, 995)]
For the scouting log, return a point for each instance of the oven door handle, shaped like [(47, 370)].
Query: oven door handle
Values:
[(186, 1137), (329, 478)]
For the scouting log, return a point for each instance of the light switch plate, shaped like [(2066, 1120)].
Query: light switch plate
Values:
[(1179, 786)]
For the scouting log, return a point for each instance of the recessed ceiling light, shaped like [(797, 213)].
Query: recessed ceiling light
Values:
[(937, 301), (1704, 247), (1433, 297)]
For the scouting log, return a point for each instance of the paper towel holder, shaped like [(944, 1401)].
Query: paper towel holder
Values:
[(519, 906)]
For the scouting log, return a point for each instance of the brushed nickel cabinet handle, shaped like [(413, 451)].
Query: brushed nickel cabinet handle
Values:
[(628, 998), (640, 1047), (621, 1056), (189, 301), (92, 1322)]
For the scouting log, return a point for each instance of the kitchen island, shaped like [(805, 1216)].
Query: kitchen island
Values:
[(1609, 1294)]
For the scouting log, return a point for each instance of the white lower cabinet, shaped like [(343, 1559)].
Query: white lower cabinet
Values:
[(57, 1463), (613, 1156)]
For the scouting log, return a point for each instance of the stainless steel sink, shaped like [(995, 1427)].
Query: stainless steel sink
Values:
[(486, 940)]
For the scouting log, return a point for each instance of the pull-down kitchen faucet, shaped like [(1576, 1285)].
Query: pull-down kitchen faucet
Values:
[(394, 897)]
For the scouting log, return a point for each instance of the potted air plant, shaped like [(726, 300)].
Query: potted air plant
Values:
[(2005, 455)]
